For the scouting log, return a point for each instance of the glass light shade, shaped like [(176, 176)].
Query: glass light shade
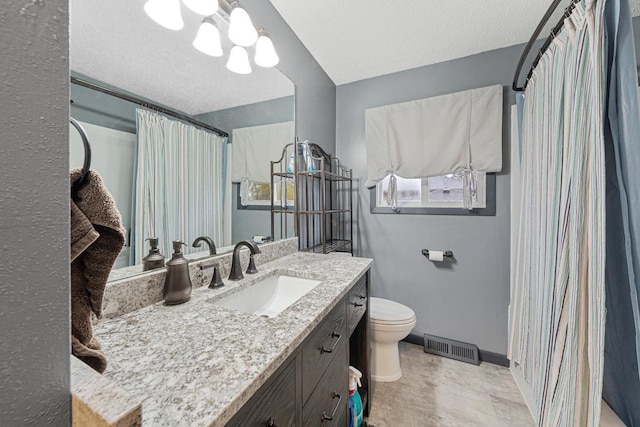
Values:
[(239, 60), (208, 39), (241, 30), (165, 13), (202, 7), (266, 55)]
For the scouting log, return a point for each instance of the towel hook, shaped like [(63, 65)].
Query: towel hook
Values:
[(87, 158)]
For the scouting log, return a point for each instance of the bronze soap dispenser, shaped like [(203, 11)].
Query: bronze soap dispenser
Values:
[(177, 283), (155, 259)]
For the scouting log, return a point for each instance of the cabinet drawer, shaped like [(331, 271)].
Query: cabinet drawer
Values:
[(318, 353), (328, 403), (357, 303), (274, 403)]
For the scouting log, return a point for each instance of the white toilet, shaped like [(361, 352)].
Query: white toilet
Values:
[(390, 322)]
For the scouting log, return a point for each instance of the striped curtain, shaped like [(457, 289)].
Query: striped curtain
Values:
[(557, 320), (180, 183)]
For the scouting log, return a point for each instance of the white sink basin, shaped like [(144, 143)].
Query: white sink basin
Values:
[(269, 296)]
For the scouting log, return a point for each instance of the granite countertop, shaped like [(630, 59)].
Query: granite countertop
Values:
[(197, 363)]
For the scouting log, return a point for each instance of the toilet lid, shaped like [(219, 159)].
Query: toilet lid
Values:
[(385, 311)]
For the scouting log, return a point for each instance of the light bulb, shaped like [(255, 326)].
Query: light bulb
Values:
[(241, 31), (208, 39), (202, 7), (239, 60), (266, 55), (165, 13)]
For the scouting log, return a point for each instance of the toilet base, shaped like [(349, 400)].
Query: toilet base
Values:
[(385, 362)]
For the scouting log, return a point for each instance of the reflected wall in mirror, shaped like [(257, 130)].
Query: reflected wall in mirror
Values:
[(115, 45)]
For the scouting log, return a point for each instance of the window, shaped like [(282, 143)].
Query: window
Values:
[(440, 195), (260, 192)]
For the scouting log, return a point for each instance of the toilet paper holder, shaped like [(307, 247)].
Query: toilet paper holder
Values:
[(447, 254)]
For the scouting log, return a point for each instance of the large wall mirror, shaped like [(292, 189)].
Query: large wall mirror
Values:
[(115, 45)]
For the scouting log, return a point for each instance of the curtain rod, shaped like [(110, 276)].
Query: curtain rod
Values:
[(148, 104), (546, 44)]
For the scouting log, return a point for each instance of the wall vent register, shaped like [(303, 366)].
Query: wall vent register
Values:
[(451, 349)]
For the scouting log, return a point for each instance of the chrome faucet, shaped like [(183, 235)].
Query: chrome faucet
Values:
[(236, 269), (198, 243)]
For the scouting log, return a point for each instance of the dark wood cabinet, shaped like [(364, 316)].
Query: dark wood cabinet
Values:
[(357, 303), (328, 402), (320, 349), (311, 388), (273, 405)]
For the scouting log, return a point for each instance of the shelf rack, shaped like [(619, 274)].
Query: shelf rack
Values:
[(283, 208), (322, 208), (324, 202)]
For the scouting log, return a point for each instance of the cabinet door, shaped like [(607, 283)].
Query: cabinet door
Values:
[(320, 350), (328, 403), (357, 303), (273, 405)]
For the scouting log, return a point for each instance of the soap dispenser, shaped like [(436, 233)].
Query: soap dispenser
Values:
[(177, 283), (154, 259)]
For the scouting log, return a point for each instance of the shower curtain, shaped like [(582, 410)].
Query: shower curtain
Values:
[(579, 223), (180, 186)]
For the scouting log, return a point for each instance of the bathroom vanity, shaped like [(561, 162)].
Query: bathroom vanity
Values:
[(203, 364), (311, 388)]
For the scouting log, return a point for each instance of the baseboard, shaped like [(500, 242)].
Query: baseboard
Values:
[(485, 356)]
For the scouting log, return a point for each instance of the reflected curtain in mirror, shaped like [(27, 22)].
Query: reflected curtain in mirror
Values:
[(180, 183)]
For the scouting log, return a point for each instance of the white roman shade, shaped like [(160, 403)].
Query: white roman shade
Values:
[(255, 147), (435, 136)]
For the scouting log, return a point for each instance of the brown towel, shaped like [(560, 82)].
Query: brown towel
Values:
[(93, 252)]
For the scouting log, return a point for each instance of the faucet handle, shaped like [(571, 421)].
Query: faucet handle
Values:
[(251, 269), (216, 280)]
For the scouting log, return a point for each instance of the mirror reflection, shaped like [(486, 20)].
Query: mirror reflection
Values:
[(171, 178)]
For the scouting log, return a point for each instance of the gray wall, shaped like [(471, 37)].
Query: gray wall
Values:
[(261, 113), (34, 224), (315, 92), (250, 222), (467, 300)]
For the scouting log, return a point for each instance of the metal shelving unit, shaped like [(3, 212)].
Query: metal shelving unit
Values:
[(283, 205), (320, 212), (324, 202)]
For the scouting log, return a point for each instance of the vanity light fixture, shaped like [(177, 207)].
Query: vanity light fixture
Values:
[(241, 30), (208, 39), (242, 33), (266, 55), (239, 60), (165, 13), (202, 7)]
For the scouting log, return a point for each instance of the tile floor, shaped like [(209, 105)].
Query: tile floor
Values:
[(435, 391)]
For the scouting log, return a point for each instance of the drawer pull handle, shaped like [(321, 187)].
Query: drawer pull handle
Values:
[(326, 417), (271, 423), (358, 304), (333, 347), (362, 297)]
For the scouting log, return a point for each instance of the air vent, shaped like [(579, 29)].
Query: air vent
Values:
[(452, 349)]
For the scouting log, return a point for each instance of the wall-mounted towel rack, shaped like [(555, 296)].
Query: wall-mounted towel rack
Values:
[(534, 37), (87, 158)]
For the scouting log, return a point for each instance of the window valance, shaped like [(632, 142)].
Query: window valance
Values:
[(254, 147), (435, 136)]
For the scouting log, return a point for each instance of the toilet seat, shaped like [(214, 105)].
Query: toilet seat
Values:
[(386, 312)]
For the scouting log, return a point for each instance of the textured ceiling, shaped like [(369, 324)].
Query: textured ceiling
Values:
[(115, 42), (358, 39)]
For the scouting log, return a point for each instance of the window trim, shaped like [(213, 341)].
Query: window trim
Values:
[(488, 210)]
